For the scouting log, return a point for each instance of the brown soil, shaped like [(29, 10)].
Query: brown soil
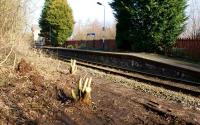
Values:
[(112, 104), (25, 69)]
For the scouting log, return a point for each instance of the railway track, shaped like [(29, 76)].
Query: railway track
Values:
[(185, 87), (175, 84), (154, 106), (132, 62)]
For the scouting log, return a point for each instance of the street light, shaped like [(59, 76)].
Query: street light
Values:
[(104, 29)]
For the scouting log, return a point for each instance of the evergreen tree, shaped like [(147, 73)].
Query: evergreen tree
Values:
[(56, 21), (148, 25)]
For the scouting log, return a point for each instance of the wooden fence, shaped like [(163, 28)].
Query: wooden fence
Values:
[(183, 47), (191, 44), (189, 47)]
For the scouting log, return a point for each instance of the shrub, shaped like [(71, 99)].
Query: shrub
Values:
[(56, 21), (148, 25), (70, 47)]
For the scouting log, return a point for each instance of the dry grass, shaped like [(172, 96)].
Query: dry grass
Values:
[(11, 26), (23, 102), (12, 22)]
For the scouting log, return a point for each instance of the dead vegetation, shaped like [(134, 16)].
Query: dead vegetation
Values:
[(11, 26), (50, 102), (25, 69), (73, 66), (27, 77), (36, 88), (83, 91), (25, 101)]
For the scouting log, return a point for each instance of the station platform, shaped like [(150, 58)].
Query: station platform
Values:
[(153, 64), (178, 62)]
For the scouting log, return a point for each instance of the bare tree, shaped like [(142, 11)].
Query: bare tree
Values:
[(192, 29), (81, 31), (12, 21)]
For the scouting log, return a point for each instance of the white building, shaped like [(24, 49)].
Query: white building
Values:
[(39, 41)]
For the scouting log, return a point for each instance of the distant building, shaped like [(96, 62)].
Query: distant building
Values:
[(39, 41)]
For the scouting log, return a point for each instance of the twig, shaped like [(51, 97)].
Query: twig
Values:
[(11, 50), (14, 63)]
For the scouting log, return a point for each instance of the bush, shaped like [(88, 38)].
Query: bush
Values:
[(148, 25), (56, 21), (70, 47)]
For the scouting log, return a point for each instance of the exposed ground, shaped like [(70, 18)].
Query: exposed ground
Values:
[(32, 94), (35, 88)]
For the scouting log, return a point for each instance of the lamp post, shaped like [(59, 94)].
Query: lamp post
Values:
[(104, 29)]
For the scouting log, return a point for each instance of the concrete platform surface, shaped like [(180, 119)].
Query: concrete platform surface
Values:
[(195, 66)]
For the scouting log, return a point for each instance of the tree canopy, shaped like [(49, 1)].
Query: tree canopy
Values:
[(148, 25), (56, 21)]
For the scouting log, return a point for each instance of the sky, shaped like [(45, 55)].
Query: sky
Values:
[(83, 11), (89, 10)]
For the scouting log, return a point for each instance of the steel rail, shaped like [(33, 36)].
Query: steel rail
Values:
[(184, 86), (152, 80)]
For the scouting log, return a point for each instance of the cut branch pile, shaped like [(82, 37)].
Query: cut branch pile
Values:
[(83, 92), (73, 66)]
